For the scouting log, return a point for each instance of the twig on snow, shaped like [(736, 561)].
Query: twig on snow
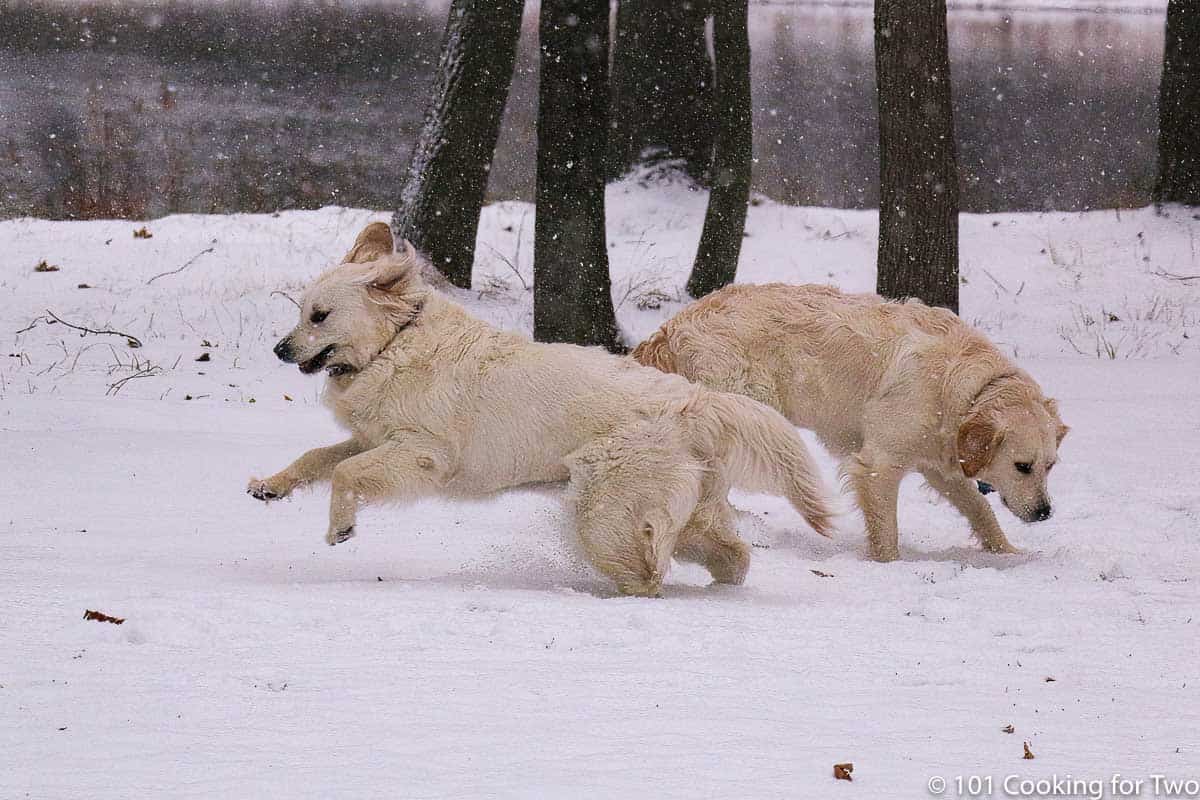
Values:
[(130, 338), (285, 295), (508, 262), (1171, 276), (998, 283), (145, 372), (189, 262), (31, 325)]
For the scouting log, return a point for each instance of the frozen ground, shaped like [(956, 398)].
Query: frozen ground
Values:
[(462, 650)]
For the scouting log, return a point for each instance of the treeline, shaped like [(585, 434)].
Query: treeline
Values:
[(303, 37)]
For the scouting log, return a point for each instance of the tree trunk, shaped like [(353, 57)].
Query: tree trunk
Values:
[(918, 165), (448, 172), (662, 86), (725, 220), (572, 295), (1179, 107)]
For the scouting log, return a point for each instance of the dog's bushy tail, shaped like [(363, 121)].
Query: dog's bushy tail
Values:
[(762, 452)]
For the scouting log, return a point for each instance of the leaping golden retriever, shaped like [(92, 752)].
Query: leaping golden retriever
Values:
[(891, 387), (438, 402)]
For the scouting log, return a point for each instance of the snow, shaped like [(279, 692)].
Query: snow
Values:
[(463, 649)]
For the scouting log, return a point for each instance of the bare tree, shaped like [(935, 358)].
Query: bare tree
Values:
[(725, 220), (1179, 107), (572, 293), (661, 86), (918, 163), (448, 172)]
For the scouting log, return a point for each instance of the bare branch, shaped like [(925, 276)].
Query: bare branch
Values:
[(286, 296), (1171, 276), (32, 325), (131, 339), (145, 372), (190, 261), (997, 282)]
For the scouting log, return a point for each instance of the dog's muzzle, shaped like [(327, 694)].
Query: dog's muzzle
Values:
[(283, 351)]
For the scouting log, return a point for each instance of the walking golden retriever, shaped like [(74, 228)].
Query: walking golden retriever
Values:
[(440, 403), (891, 387)]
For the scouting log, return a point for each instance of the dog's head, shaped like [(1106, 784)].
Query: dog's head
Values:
[(1009, 444), (351, 312)]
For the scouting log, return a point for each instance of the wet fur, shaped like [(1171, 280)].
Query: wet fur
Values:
[(441, 403), (892, 388)]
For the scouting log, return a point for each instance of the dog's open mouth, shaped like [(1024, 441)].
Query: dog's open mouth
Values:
[(317, 361)]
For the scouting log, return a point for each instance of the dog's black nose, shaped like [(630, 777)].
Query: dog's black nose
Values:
[(283, 350), (1042, 512)]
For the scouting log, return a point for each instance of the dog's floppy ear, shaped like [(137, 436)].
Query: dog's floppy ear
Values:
[(374, 242), (397, 272), (1061, 430), (978, 438), (391, 274)]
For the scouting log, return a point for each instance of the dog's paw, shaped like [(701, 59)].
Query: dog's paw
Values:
[(337, 537), (1003, 547), (265, 490)]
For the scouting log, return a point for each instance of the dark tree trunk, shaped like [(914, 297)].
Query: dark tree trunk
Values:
[(918, 164), (662, 86), (572, 294), (725, 221), (1179, 107), (448, 172)]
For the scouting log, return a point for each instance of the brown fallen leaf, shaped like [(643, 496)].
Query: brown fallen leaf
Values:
[(842, 771), (1050, 680), (204, 357), (820, 574), (84, 286), (143, 233), (1009, 729), (45, 266), (288, 398), (100, 617), (1028, 753)]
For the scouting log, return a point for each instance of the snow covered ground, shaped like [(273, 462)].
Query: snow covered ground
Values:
[(463, 650)]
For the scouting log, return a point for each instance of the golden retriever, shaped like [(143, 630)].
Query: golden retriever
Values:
[(891, 387), (440, 403)]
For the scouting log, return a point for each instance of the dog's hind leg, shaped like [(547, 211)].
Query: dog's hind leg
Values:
[(395, 470), (633, 494), (710, 537)]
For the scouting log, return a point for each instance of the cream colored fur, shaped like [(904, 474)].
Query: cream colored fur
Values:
[(440, 403), (892, 387)]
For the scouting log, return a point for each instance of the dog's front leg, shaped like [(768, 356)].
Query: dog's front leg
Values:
[(964, 496), (315, 465), (395, 470)]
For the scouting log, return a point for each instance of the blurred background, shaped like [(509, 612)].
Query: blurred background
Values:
[(139, 109)]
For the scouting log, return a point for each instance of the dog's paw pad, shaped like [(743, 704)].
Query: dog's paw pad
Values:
[(259, 491), (338, 537)]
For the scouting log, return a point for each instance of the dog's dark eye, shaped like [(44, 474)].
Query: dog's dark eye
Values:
[(318, 317), (1024, 467)]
